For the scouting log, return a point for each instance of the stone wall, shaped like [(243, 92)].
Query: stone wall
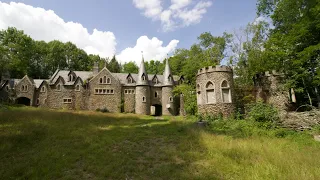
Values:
[(109, 101), (129, 98), (27, 92), (215, 76), (142, 107), (226, 109), (43, 96), (56, 97), (168, 106), (156, 100)]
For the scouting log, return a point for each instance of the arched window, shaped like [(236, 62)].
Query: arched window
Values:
[(108, 81), (100, 80), (199, 98), (104, 79), (155, 80), (38, 102), (26, 88), (129, 80), (225, 92), (143, 77), (210, 93), (58, 87), (169, 78), (77, 87), (43, 89), (144, 99), (71, 78), (170, 99), (22, 88)]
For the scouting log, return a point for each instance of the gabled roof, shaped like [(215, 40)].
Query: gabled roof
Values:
[(38, 82), (64, 74)]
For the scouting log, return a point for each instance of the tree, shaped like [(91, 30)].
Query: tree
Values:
[(114, 65), (294, 44), (155, 67), (130, 67)]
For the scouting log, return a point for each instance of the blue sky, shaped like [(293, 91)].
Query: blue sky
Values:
[(128, 22)]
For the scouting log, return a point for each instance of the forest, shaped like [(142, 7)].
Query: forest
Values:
[(285, 37)]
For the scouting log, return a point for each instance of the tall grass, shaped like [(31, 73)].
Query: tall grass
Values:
[(47, 144)]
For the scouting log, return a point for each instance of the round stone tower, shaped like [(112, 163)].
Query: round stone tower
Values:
[(215, 90), (142, 104), (167, 100)]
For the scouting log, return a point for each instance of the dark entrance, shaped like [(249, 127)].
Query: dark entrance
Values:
[(24, 101), (158, 110)]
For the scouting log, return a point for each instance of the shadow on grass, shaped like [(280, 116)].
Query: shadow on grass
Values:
[(48, 144)]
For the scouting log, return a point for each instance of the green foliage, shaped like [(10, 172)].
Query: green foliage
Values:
[(189, 97), (155, 67), (114, 66), (130, 67), (262, 112)]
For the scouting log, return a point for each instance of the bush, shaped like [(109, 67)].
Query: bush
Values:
[(261, 112)]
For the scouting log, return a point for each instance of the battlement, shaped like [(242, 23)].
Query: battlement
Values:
[(214, 69)]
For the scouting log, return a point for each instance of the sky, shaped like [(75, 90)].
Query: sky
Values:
[(125, 28)]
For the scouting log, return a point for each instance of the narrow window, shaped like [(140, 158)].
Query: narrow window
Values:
[(96, 91), (26, 88), (70, 77), (170, 99), (129, 91), (108, 91), (111, 91), (104, 91), (108, 81), (125, 91), (43, 89), (7, 88), (104, 79), (58, 87), (155, 94), (210, 93), (78, 87), (143, 99), (132, 91), (38, 101), (100, 91), (100, 80), (129, 80), (22, 88), (225, 92), (143, 77)]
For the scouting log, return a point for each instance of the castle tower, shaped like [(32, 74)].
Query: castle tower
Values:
[(142, 103), (167, 94), (215, 90)]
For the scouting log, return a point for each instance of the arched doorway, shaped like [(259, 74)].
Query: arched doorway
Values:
[(156, 110), (23, 100)]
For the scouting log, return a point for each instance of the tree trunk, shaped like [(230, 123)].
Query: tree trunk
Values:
[(304, 84), (317, 95)]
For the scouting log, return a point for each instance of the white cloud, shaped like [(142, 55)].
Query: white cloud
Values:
[(45, 25), (153, 49), (180, 13)]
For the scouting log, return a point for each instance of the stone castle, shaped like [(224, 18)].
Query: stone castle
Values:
[(139, 93), (98, 89), (215, 90)]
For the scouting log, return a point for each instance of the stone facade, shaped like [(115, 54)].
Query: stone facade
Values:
[(97, 89), (215, 90), (269, 88)]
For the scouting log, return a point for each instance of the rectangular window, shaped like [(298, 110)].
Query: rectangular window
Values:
[(126, 91), (96, 91), (111, 91), (67, 100), (104, 91), (226, 95), (211, 96)]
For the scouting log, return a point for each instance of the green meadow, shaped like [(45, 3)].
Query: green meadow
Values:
[(48, 144)]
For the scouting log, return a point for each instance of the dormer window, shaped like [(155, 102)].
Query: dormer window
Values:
[(24, 88), (59, 87), (155, 80), (43, 89), (71, 78), (143, 77), (169, 78), (130, 80), (77, 87)]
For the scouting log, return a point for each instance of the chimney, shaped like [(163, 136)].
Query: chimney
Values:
[(95, 69)]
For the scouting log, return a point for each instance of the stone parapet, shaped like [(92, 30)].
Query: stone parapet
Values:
[(214, 69)]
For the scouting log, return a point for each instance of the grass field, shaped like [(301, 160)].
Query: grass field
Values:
[(47, 144)]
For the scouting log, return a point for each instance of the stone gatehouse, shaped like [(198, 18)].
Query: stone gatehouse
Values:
[(98, 89)]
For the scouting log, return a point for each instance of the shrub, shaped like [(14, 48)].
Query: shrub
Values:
[(261, 112)]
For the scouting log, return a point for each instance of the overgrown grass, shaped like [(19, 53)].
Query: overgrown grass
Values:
[(47, 144)]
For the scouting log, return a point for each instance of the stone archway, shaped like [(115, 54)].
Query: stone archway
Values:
[(23, 100), (156, 110)]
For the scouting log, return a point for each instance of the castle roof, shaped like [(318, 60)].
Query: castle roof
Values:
[(142, 78), (167, 76)]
